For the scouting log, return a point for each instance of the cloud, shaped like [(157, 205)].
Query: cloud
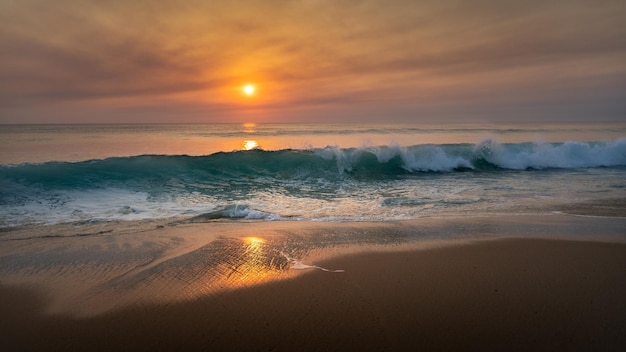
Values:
[(429, 56)]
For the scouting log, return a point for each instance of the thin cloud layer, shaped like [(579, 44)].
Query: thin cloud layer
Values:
[(171, 61)]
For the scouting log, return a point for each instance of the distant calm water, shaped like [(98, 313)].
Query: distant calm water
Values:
[(345, 172)]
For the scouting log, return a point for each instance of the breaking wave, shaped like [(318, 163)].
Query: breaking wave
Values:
[(329, 162), (248, 184)]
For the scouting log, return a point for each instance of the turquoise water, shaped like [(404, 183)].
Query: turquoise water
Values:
[(57, 174)]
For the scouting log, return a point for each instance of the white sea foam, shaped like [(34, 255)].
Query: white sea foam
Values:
[(296, 264), (246, 212), (445, 158), (545, 155)]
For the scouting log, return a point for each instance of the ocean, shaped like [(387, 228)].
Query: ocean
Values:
[(102, 217), (58, 174)]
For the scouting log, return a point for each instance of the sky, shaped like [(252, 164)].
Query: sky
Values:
[(171, 61)]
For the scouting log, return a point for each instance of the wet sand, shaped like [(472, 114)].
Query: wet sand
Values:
[(502, 294)]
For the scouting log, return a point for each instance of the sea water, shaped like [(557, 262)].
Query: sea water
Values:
[(119, 199), (52, 174)]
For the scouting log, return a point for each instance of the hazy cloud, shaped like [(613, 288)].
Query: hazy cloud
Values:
[(402, 59)]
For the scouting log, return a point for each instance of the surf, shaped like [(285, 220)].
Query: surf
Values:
[(331, 162), (330, 183)]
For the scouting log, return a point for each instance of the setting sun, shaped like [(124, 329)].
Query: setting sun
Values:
[(248, 89)]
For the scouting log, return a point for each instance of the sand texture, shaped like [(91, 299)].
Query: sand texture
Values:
[(506, 294)]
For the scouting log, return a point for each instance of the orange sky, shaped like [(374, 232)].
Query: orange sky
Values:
[(311, 60)]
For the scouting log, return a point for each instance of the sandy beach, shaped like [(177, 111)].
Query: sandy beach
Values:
[(482, 294), (313, 175)]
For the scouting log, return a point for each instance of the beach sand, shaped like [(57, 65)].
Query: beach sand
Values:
[(484, 294)]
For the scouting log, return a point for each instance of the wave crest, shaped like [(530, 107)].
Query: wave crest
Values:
[(272, 185), (218, 170), (235, 211), (554, 155)]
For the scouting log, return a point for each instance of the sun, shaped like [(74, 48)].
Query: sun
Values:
[(248, 89)]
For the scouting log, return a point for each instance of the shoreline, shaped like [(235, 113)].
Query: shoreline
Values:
[(86, 271), (513, 294), (617, 211), (607, 208)]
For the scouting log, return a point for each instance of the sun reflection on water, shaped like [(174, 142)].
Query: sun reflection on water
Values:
[(254, 243), (256, 262), (229, 263), (250, 145), (249, 127)]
